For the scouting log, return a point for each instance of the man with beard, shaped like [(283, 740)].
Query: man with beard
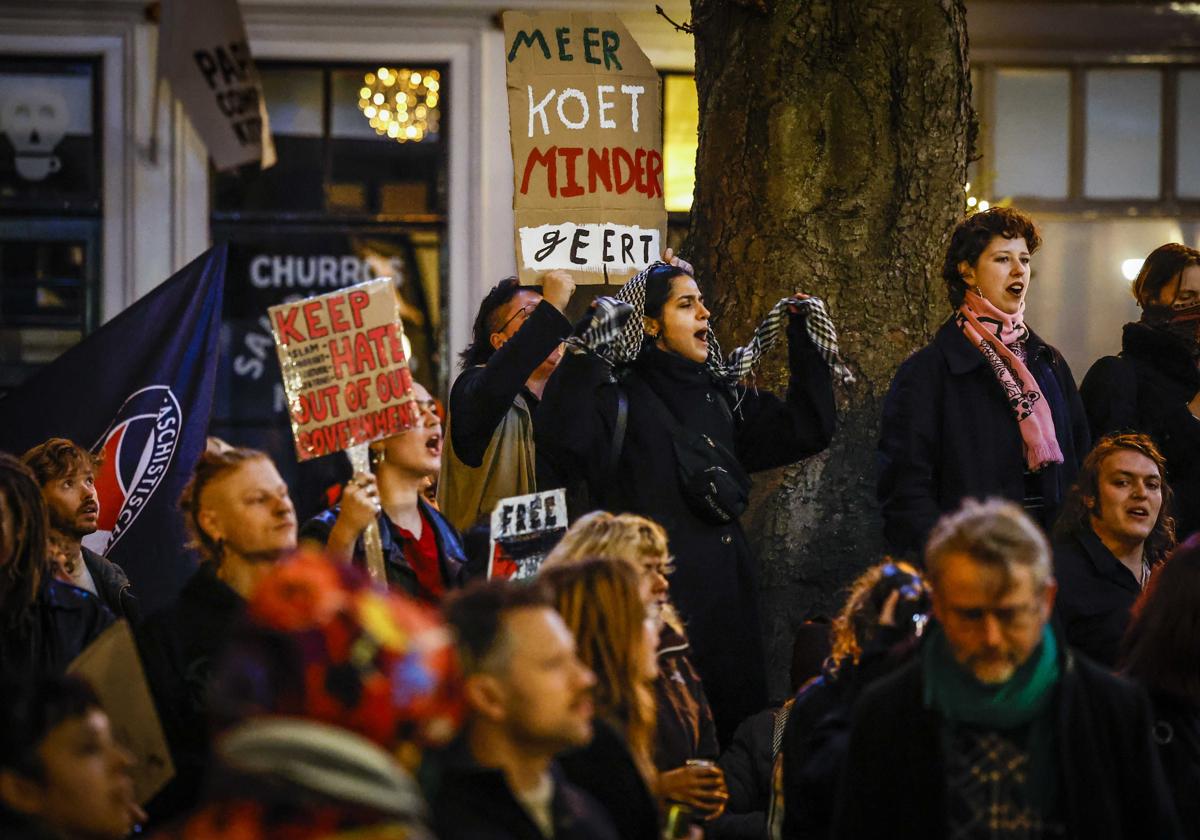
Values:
[(66, 473), (1115, 529), (996, 730), (529, 698)]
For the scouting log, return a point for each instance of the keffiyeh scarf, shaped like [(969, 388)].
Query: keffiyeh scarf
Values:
[(993, 333), (616, 333)]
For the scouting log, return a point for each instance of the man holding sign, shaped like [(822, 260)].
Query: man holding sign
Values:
[(583, 105)]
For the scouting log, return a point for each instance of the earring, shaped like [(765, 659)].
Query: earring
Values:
[(378, 456)]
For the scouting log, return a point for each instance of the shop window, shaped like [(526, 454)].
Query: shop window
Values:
[(50, 206), (349, 200)]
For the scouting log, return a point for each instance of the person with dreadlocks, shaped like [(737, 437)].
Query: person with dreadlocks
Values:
[(1153, 386), (516, 345), (44, 623), (647, 411)]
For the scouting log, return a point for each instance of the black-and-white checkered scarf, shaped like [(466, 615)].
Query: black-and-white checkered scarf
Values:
[(616, 333)]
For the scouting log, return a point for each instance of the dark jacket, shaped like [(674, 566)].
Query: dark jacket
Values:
[(1110, 782), (180, 646), (61, 622), (112, 586), (685, 729), (1176, 731), (817, 732), (450, 550), (1095, 594), (470, 802), (715, 582), (948, 434), (482, 395), (747, 765), (605, 770), (1147, 389)]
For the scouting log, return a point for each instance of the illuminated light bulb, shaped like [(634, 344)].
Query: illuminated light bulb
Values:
[(983, 205), (383, 72), (391, 80), (365, 92), (377, 99), (370, 111), (394, 130), (431, 84), (435, 75), (415, 79), (421, 112), (431, 100), (972, 201), (967, 187), (369, 79), (1130, 268), (411, 131)]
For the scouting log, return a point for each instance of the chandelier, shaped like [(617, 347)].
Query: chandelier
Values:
[(403, 104)]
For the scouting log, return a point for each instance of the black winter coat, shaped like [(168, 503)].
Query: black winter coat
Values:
[(61, 622), (685, 728), (1095, 595), (1176, 732), (1111, 785), (948, 434), (1147, 389), (112, 585), (472, 802), (715, 581)]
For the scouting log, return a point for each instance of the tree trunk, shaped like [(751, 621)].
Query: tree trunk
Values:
[(834, 137)]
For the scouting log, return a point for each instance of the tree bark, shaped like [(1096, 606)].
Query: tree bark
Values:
[(834, 136)]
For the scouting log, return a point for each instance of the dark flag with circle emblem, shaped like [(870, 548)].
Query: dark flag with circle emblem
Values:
[(139, 390)]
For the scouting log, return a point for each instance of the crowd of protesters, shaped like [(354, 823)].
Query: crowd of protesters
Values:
[(1024, 664)]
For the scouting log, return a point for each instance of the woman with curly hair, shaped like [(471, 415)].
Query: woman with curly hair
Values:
[(1116, 528), (987, 408), (875, 631), (1161, 652), (615, 636)]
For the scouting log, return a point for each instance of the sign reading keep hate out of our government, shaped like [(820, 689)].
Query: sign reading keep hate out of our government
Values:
[(345, 372), (586, 126)]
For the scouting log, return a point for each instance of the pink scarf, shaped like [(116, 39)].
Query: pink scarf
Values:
[(992, 331)]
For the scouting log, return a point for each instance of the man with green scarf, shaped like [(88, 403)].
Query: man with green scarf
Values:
[(996, 730)]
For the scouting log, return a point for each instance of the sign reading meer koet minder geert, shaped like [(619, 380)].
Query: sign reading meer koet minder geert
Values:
[(344, 368), (585, 119)]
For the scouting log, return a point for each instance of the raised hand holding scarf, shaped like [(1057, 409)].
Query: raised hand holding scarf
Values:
[(993, 332), (616, 333)]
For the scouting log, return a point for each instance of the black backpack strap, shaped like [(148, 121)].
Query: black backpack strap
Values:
[(618, 445)]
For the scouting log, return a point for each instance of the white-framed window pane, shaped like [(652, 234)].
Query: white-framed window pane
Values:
[(1124, 134), (1032, 119), (1187, 177)]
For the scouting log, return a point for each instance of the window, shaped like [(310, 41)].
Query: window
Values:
[(1091, 139), (50, 206), (347, 201)]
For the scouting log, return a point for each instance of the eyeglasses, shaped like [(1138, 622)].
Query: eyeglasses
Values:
[(524, 310), (1013, 618)]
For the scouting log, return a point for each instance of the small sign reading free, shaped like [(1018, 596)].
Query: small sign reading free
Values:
[(524, 530)]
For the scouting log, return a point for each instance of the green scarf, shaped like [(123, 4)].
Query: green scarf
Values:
[(1024, 700)]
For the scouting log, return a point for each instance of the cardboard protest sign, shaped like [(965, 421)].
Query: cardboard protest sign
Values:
[(111, 666), (585, 116), (202, 50), (345, 372), (524, 530)]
